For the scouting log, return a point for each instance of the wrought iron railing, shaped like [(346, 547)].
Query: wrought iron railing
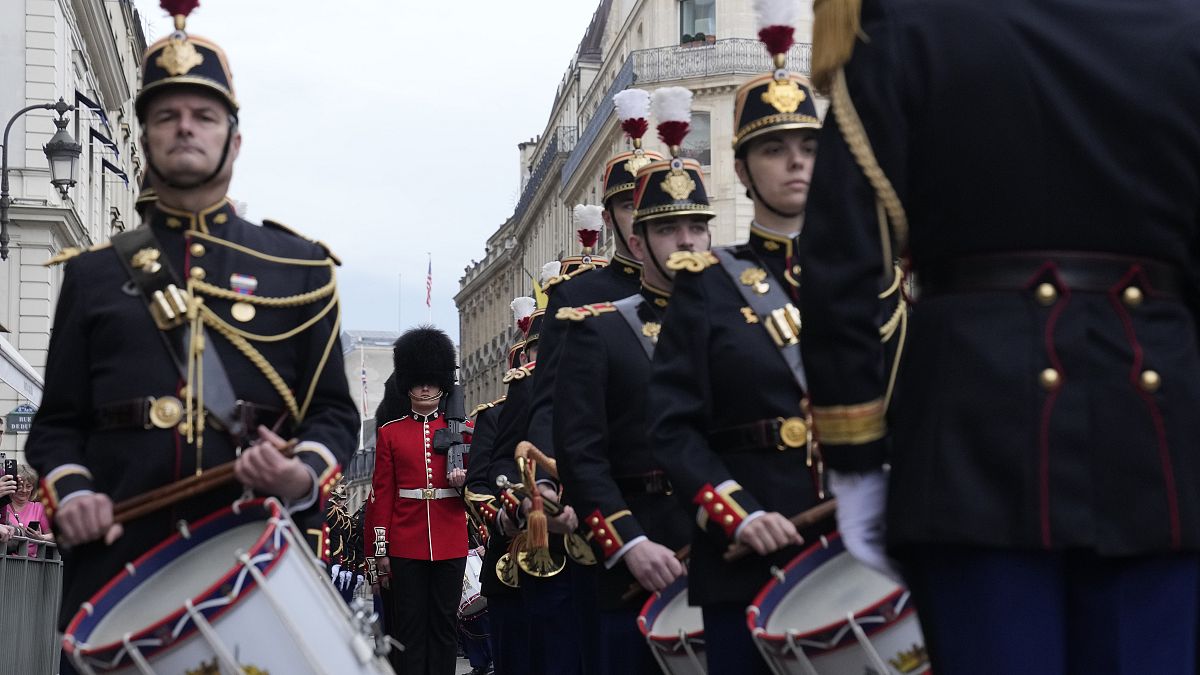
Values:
[(733, 56), (561, 141), (32, 589)]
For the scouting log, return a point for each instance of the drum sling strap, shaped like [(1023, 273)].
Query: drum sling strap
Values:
[(628, 309), (775, 311), (150, 272)]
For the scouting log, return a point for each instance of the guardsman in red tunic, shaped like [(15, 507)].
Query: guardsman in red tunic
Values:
[(416, 522)]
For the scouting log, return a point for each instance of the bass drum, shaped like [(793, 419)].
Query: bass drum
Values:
[(237, 592), (674, 630), (827, 614)]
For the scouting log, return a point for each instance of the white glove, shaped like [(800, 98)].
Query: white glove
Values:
[(861, 503)]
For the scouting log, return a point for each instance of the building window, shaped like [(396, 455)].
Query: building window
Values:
[(698, 143), (697, 20)]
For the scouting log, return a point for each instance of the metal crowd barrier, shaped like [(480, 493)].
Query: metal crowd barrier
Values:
[(30, 592)]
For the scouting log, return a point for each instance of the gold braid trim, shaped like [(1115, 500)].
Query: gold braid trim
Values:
[(852, 130), (305, 262), (850, 424), (264, 366), (286, 301), (282, 336), (334, 333)]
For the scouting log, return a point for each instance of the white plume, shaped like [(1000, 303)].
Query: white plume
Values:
[(632, 104), (589, 217), (523, 307), (549, 271), (672, 104), (776, 12)]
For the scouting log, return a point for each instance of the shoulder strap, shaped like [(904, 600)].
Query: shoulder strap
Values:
[(778, 316), (628, 309), (150, 272)]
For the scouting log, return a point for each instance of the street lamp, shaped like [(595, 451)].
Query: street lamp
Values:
[(62, 151)]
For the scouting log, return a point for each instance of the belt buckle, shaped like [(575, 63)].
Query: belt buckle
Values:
[(427, 493), (793, 433), (163, 412)]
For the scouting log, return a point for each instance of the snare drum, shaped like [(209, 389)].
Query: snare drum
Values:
[(674, 630), (472, 602), (235, 592), (827, 614)]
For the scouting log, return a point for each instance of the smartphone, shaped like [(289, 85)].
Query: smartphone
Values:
[(10, 467), (35, 525)]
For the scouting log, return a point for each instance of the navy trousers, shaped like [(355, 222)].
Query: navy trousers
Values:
[(553, 625), (509, 634), (728, 644), (623, 649), (992, 611)]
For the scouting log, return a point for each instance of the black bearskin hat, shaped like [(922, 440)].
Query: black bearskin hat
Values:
[(424, 355), (394, 405)]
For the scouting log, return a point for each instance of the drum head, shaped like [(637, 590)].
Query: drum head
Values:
[(665, 613)]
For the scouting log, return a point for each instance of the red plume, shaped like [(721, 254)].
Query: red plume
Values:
[(635, 127), (673, 133), (177, 7), (523, 324), (778, 39), (588, 238)]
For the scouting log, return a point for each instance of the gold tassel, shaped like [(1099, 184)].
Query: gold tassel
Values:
[(538, 536), (836, 25)]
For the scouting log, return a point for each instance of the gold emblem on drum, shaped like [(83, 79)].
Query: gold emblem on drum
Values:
[(793, 432), (165, 411), (211, 668), (910, 661)]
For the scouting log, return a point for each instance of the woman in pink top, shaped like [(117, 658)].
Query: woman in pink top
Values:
[(25, 513)]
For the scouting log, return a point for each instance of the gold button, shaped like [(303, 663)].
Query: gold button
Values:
[(1151, 381), (728, 520), (718, 507), (1133, 296), (1049, 379), (601, 532), (220, 219), (197, 249), (197, 273), (608, 543), (184, 428), (595, 520), (174, 222), (1046, 294), (708, 496)]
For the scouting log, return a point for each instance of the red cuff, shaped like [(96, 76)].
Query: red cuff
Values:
[(720, 508)]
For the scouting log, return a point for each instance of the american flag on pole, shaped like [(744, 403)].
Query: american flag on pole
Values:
[(362, 365), (429, 284)]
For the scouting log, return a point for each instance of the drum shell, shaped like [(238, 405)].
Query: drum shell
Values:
[(674, 630)]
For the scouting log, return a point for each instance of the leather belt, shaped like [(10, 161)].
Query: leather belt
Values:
[(427, 493), (778, 433), (653, 483), (164, 412), (1077, 271)]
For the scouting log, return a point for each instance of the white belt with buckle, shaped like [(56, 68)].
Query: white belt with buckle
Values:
[(427, 493)]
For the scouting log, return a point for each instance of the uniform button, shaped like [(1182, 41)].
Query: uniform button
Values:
[(197, 249), (718, 507), (1046, 294), (601, 532), (608, 543), (174, 222), (1049, 378), (595, 520), (1133, 296), (728, 520), (1151, 381), (708, 496), (197, 273)]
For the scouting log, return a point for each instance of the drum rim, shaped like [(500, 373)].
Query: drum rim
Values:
[(831, 543), (273, 510), (644, 625)]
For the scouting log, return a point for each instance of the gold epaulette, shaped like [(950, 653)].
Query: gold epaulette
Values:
[(691, 261), (275, 225), (517, 374), (484, 406), (560, 278), (584, 311), (72, 251)]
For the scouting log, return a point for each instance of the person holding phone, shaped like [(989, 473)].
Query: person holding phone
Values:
[(25, 514)]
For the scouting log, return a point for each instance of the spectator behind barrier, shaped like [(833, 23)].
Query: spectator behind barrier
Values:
[(25, 514)]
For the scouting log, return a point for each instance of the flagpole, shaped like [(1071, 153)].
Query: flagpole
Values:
[(429, 291), (399, 302)]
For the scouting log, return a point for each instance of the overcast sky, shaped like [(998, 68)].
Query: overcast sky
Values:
[(388, 129)]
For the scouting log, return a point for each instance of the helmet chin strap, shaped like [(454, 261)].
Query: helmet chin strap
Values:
[(207, 179), (758, 198), (653, 258)]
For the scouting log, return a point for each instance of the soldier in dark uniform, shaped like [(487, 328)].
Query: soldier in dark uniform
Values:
[(416, 520), (604, 457), (124, 411), (508, 624), (726, 395), (1044, 487)]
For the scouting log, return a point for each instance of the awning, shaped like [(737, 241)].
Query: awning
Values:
[(16, 372)]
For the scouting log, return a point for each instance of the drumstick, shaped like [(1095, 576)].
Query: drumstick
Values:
[(801, 520), (180, 490), (635, 589)]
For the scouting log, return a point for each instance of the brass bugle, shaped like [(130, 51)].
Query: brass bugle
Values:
[(551, 505)]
